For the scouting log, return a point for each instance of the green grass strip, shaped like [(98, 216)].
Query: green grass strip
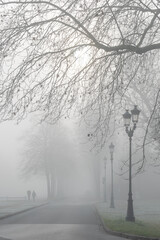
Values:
[(136, 228)]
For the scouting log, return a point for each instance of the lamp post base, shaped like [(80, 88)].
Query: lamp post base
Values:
[(130, 218), (112, 206), (112, 203), (130, 215)]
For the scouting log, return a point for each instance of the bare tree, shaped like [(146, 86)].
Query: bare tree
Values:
[(48, 151), (61, 56), (37, 158)]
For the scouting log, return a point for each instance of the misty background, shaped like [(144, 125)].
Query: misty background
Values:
[(81, 167)]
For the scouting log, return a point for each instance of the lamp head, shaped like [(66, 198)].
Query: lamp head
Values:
[(135, 114), (127, 118)]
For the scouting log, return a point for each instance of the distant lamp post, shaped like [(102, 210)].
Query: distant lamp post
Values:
[(130, 130), (104, 181), (111, 147)]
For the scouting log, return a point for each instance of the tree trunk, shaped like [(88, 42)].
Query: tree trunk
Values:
[(48, 186)]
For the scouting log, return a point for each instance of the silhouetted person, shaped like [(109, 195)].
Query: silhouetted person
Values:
[(34, 195), (29, 195)]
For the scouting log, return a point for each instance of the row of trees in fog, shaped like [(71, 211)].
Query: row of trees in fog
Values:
[(88, 58), (38, 157), (59, 155), (46, 152)]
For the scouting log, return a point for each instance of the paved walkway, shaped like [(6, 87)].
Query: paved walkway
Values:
[(55, 232), (54, 221)]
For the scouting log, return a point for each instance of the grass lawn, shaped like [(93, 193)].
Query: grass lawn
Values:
[(136, 228)]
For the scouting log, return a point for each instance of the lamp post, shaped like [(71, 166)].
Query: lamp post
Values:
[(111, 147), (130, 130), (104, 182)]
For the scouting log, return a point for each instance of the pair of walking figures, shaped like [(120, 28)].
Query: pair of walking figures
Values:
[(33, 195)]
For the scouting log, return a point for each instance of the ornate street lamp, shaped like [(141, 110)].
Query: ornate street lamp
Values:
[(104, 182), (111, 147), (127, 120)]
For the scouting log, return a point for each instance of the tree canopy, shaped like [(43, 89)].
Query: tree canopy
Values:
[(58, 57)]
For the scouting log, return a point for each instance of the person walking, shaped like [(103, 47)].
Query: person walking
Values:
[(29, 195), (34, 195)]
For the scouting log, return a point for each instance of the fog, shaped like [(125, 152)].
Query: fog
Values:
[(74, 161), (79, 169), (11, 182)]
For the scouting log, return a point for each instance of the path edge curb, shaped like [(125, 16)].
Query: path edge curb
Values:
[(22, 211)]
